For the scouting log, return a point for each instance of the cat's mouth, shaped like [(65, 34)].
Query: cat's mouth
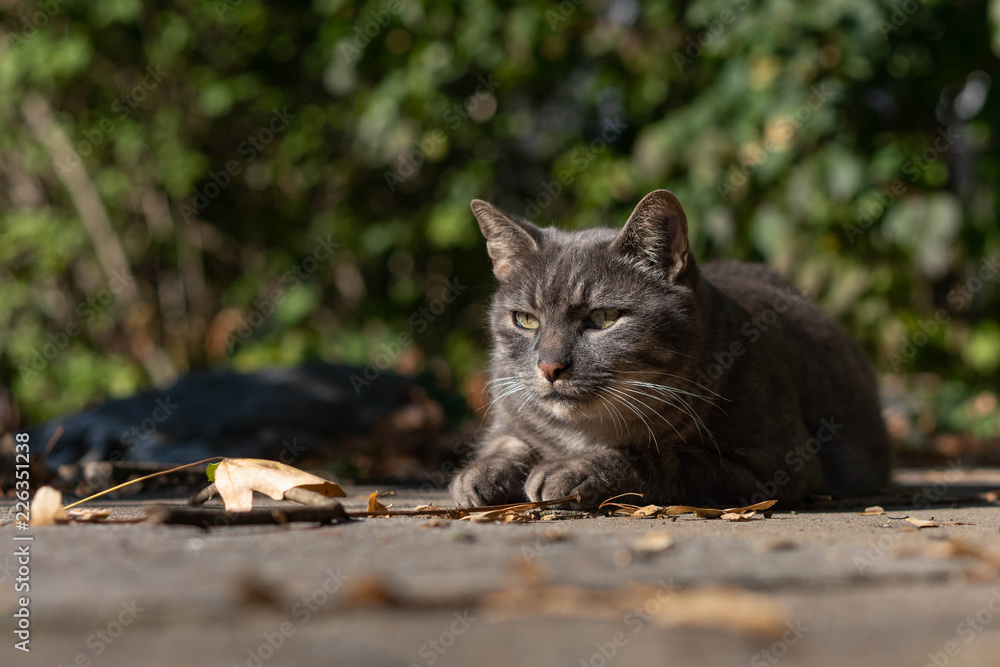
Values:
[(566, 397)]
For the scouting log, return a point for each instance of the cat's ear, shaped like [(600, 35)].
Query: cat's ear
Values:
[(656, 234), (507, 239)]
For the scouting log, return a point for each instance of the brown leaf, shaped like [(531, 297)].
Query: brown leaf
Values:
[(237, 479), (874, 510), (375, 506), (90, 515), (922, 523), (766, 505), (735, 516), (728, 609), (709, 513), (700, 512), (47, 508), (652, 542), (955, 548), (648, 510)]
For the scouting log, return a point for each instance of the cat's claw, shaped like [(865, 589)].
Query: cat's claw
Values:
[(492, 480)]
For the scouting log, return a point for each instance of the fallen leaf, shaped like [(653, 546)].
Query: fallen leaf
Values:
[(736, 516), (766, 505), (709, 513), (729, 609), (648, 510), (47, 508), (652, 542), (955, 548), (922, 523), (874, 510), (777, 545), (90, 515), (237, 479), (375, 506), (700, 512)]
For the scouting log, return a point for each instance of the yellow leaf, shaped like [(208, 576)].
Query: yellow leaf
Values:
[(237, 479), (47, 507), (374, 505), (729, 609), (652, 542)]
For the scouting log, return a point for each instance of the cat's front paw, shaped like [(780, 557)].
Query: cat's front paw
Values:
[(551, 480), (492, 480)]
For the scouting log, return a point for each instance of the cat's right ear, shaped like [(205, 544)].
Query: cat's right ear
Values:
[(656, 235), (507, 239)]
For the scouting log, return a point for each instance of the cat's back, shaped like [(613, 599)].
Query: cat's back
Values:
[(744, 278)]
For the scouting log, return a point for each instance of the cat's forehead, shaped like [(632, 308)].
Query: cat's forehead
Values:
[(573, 269)]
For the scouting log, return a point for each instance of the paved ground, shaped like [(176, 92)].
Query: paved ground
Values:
[(853, 590)]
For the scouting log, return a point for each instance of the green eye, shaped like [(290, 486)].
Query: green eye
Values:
[(525, 320), (605, 317)]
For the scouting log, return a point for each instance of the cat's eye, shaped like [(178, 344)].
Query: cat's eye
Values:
[(604, 317), (525, 320)]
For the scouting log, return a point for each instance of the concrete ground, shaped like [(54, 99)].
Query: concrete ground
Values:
[(823, 587)]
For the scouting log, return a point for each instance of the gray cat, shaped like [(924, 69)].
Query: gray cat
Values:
[(620, 365)]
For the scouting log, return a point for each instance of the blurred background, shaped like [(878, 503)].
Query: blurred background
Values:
[(242, 184)]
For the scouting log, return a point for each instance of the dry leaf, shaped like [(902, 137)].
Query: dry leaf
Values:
[(700, 512), (648, 510), (237, 479), (954, 548), (777, 545), (874, 510), (375, 506), (766, 505), (729, 609), (735, 516), (922, 523), (47, 508), (709, 513), (90, 515), (652, 542)]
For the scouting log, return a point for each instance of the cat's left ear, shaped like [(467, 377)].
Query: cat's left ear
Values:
[(507, 239), (656, 234)]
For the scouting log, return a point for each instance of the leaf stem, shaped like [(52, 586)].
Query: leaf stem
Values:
[(144, 477)]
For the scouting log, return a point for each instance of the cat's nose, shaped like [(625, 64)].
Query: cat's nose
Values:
[(551, 369)]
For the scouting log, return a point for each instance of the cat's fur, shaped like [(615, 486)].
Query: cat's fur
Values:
[(752, 392)]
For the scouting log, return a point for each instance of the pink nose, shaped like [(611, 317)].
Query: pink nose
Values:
[(551, 369)]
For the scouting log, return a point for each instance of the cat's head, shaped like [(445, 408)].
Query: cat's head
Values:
[(579, 314)]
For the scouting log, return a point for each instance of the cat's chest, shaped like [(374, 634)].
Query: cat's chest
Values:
[(562, 438)]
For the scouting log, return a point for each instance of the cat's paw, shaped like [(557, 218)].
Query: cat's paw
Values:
[(551, 480), (493, 480)]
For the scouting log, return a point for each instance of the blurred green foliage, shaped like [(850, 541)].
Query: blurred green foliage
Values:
[(851, 144)]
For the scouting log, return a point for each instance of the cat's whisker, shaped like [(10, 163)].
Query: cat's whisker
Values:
[(508, 390), (679, 377), (626, 400), (611, 413), (616, 415), (655, 398), (674, 394), (673, 391)]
